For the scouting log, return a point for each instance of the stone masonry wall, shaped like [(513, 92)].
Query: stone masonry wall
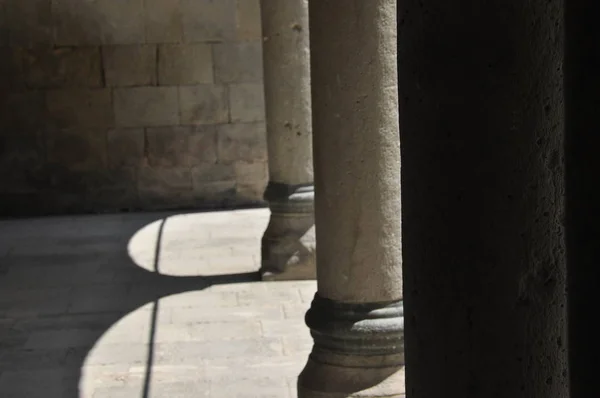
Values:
[(109, 105)]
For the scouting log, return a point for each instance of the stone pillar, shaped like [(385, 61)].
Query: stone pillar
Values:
[(481, 121), (356, 316), (582, 101), (288, 245)]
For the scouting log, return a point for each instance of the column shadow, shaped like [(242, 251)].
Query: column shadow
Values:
[(64, 283)]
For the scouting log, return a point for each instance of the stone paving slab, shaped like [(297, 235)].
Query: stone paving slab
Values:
[(146, 305)]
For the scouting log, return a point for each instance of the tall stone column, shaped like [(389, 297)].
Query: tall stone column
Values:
[(481, 121), (288, 245), (356, 316), (582, 143)]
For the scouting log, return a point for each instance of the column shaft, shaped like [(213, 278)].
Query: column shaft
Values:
[(288, 247), (582, 101), (356, 317), (481, 124)]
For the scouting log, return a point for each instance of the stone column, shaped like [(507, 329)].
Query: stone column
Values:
[(356, 316), (582, 101), (288, 245), (481, 121)]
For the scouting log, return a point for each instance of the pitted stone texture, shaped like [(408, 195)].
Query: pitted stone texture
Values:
[(483, 197)]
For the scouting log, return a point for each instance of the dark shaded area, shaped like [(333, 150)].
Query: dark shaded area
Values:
[(85, 289), (481, 123), (63, 148), (582, 88)]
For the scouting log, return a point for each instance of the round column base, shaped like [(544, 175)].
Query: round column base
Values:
[(288, 244), (358, 351), (359, 377)]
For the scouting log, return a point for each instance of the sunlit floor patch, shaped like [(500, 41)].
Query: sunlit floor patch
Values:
[(201, 243)]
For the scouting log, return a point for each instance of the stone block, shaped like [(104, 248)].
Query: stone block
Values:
[(130, 65), (62, 67), (29, 22), (167, 146), (3, 26), (146, 106), (80, 108), (77, 149), (163, 21), (209, 173), (76, 23), (180, 64), (125, 147), (22, 112), (160, 187), (248, 20), (248, 172), (238, 62), (203, 104), (241, 142), (202, 145), (208, 20), (247, 102), (12, 70), (179, 146), (21, 151), (98, 22), (252, 192), (213, 181), (122, 22)]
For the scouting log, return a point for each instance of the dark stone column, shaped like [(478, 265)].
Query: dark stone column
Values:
[(288, 245), (356, 317), (481, 121), (582, 147)]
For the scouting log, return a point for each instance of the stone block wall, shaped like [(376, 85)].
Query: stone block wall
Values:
[(109, 105)]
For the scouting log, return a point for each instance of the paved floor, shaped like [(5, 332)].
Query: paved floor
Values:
[(146, 305)]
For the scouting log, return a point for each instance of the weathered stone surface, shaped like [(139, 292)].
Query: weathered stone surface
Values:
[(161, 186), (247, 102), (77, 150), (243, 141), (99, 22), (204, 104), (163, 21), (247, 172), (184, 64), (125, 147), (202, 147), (122, 22), (208, 20), (130, 65), (62, 67), (180, 146), (22, 112), (76, 23), (80, 108), (238, 62), (167, 146), (29, 23), (483, 224), (146, 106), (83, 66), (248, 20)]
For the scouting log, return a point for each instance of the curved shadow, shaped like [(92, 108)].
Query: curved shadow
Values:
[(64, 282)]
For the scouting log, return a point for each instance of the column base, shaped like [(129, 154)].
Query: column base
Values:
[(288, 245), (358, 351), (364, 379)]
